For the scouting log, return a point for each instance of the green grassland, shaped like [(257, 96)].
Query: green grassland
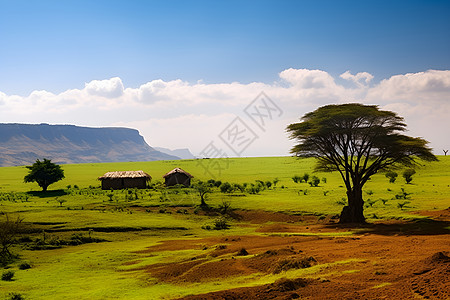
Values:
[(130, 221)]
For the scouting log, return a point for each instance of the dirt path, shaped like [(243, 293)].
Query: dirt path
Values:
[(394, 260)]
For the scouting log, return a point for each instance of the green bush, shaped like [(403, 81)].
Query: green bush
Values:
[(221, 223), (226, 187), (391, 175), (407, 174), (24, 266), (15, 296), (8, 275), (314, 181)]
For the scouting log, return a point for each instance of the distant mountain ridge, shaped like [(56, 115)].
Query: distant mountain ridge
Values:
[(181, 153), (22, 144)]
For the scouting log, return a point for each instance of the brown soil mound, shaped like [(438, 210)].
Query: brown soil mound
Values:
[(393, 260)]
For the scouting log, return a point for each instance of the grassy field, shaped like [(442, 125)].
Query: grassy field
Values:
[(130, 221)]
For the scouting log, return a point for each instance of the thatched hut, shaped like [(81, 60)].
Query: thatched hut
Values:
[(177, 176), (124, 179)]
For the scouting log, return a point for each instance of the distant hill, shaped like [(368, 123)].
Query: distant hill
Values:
[(22, 144), (181, 153)]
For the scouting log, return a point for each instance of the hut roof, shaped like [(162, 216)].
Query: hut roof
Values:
[(125, 174), (177, 170)]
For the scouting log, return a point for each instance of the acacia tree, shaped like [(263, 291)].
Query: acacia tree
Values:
[(357, 141), (44, 173)]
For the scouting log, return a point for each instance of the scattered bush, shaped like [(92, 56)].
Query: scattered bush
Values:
[(242, 252), (297, 179), (24, 266), (226, 187), (314, 181), (221, 223), (401, 205), (15, 296), (225, 207), (391, 175), (8, 275), (407, 174)]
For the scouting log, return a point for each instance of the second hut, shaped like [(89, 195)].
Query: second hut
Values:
[(177, 176), (124, 180)]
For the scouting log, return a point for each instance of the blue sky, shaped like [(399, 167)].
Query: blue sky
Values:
[(58, 46)]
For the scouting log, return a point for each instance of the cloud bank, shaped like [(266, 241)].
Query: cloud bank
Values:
[(178, 114)]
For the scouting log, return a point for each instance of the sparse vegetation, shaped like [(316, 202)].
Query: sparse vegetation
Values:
[(408, 174)]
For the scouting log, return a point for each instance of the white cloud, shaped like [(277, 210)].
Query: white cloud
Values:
[(178, 114), (413, 87), (111, 88), (360, 79)]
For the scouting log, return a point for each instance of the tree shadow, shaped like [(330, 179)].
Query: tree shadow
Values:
[(422, 226), (47, 194)]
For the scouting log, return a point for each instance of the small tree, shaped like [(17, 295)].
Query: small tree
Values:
[(44, 173), (203, 188), (407, 174), (8, 231), (391, 175)]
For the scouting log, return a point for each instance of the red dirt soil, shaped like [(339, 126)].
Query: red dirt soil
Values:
[(393, 260)]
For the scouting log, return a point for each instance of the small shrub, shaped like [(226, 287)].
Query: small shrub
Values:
[(8, 275), (297, 179), (24, 266), (324, 179), (401, 205), (391, 175), (226, 187), (221, 223), (305, 177), (407, 174), (314, 181), (325, 193), (225, 207), (15, 296), (384, 201), (242, 252)]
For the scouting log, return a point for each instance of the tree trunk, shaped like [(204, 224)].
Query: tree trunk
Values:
[(354, 211)]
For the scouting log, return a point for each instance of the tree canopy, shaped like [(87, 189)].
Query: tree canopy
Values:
[(44, 173), (357, 141)]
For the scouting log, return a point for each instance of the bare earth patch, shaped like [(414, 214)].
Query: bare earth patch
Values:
[(390, 260)]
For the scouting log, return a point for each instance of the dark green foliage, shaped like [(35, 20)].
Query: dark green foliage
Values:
[(44, 173), (226, 187), (314, 181), (238, 187), (275, 182), (24, 266), (8, 275), (357, 141), (402, 195), (297, 179), (15, 296), (391, 175), (401, 205), (268, 184), (305, 177), (407, 174), (221, 223)]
